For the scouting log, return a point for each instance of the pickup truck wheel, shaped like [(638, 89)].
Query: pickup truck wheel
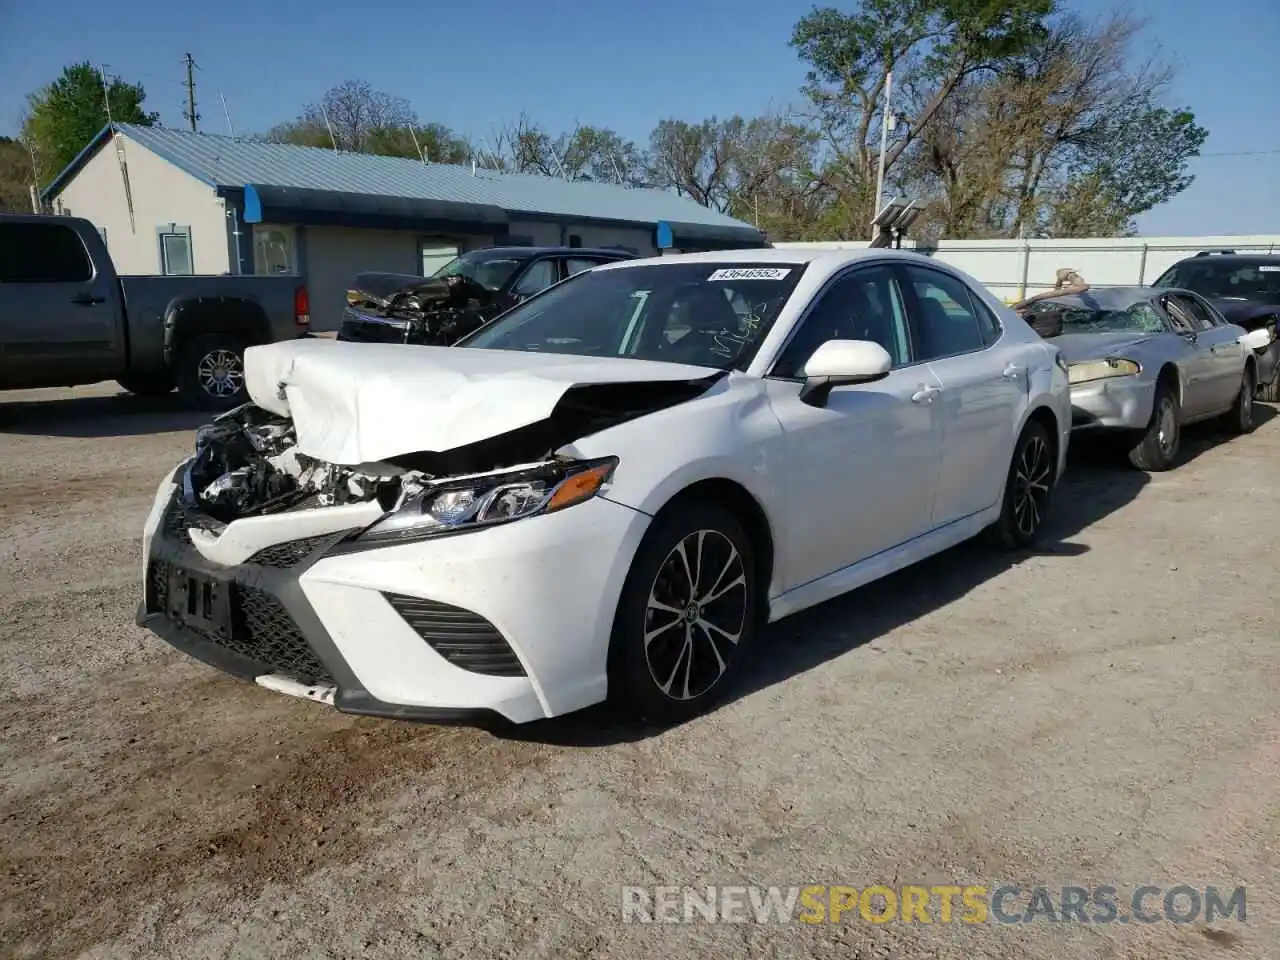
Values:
[(210, 371), (143, 385)]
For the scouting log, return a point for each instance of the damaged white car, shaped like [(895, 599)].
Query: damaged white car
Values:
[(607, 491)]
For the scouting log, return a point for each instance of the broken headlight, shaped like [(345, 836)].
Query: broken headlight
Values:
[(475, 502), (1091, 370)]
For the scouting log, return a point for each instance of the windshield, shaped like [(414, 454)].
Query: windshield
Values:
[(485, 267), (1240, 281), (1051, 319), (705, 314)]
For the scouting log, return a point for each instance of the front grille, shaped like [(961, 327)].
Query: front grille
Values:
[(261, 629), (359, 332), (465, 639), (285, 555), (178, 520)]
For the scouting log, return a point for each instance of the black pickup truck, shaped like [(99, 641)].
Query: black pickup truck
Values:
[(66, 318)]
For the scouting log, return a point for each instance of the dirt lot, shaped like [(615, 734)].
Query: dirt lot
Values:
[(1101, 712)]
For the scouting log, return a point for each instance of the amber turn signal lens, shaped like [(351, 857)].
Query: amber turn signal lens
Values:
[(579, 487)]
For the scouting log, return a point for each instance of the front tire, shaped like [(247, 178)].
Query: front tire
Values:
[(688, 613), (1157, 450), (1028, 490), (1239, 419), (209, 371)]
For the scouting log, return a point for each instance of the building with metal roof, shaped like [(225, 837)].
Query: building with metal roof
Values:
[(173, 201)]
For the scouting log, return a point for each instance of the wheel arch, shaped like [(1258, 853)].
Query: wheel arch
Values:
[(186, 319), (747, 510)]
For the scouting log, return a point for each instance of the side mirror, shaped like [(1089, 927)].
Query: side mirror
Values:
[(1258, 339), (838, 363)]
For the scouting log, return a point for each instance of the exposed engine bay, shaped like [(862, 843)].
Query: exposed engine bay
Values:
[(398, 308), (247, 461)]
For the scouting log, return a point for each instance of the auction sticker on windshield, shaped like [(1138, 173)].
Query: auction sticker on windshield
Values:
[(751, 273)]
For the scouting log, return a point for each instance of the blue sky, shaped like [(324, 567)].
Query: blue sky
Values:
[(623, 65)]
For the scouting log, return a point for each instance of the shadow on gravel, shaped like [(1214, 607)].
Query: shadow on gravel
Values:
[(1091, 489), (123, 415)]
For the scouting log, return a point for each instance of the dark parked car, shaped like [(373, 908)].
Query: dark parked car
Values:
[(1246, 290), (462, 295), (67, 318)]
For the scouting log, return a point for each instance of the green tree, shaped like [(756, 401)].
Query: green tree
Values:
[(64, 116), (932, 44), (15, 176)]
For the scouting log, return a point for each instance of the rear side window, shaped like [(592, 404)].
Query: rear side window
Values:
[(42, 253)]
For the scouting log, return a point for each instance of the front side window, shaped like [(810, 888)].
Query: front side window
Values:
[(678, 313), (865, 304), (488, 269), (1178, 314), (42, 253), (1201, 319)]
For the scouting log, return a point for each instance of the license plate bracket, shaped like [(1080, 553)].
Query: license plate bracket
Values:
[(200, 602)]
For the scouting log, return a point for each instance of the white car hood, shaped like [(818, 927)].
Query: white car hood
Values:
[(355, 403)]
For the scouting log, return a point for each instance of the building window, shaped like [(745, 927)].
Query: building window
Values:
[(175, 250), (575, 240), (436, 255), (274, 249)]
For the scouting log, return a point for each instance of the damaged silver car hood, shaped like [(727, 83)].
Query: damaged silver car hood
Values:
[(354, 403)]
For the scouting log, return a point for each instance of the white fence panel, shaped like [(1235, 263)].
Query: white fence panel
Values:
[(1012, 269)]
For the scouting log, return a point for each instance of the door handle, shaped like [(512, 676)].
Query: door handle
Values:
[(87, 299), (925, 394), (1011, 372)]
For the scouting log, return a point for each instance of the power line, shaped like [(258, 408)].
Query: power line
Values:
[(1242, 153), (190, 112)]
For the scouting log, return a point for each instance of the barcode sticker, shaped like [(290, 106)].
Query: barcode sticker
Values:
[(1268, 268), (751, 273)]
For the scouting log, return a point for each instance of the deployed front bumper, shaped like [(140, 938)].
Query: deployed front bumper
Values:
[(511, 622), (1114, 403)]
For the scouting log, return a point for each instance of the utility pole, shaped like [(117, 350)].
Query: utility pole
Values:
[(191, 114), (884, 139)]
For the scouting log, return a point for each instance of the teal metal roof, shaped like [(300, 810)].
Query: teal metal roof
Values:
[(227, 162)]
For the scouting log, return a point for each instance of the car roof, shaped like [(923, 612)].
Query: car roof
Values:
[(524, 252), (1232, 259), (1110, 298), (831, 259)]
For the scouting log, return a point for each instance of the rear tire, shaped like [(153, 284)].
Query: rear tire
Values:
[(687, 616), (1270, 392), (1028, 490), (147, 385), (1239, 419), (209, 371), (1157, 449)]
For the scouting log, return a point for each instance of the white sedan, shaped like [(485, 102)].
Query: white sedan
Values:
[(605, 493)]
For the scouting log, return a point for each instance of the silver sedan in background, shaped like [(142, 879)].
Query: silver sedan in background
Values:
[(1144, 362)]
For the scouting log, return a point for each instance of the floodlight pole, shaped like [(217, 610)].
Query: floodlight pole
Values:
[(884, 140)]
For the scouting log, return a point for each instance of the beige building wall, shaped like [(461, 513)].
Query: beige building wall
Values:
[(162, 194)]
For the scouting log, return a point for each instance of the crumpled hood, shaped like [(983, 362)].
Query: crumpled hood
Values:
[(1078, 347), (356, 403)]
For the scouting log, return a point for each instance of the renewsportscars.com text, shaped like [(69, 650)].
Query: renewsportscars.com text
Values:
[(972, 904)]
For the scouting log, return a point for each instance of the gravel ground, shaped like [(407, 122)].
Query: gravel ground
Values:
[(1103, 711)]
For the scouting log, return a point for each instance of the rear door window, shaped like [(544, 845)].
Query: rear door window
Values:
[(42, 253)]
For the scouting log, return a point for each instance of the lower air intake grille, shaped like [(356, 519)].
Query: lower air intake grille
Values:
[(467, 640), (264, 631)]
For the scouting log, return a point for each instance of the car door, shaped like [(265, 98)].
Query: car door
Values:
[(984, 388), (1225, 361), (861, 470), (59, 318), (1199, 395)]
